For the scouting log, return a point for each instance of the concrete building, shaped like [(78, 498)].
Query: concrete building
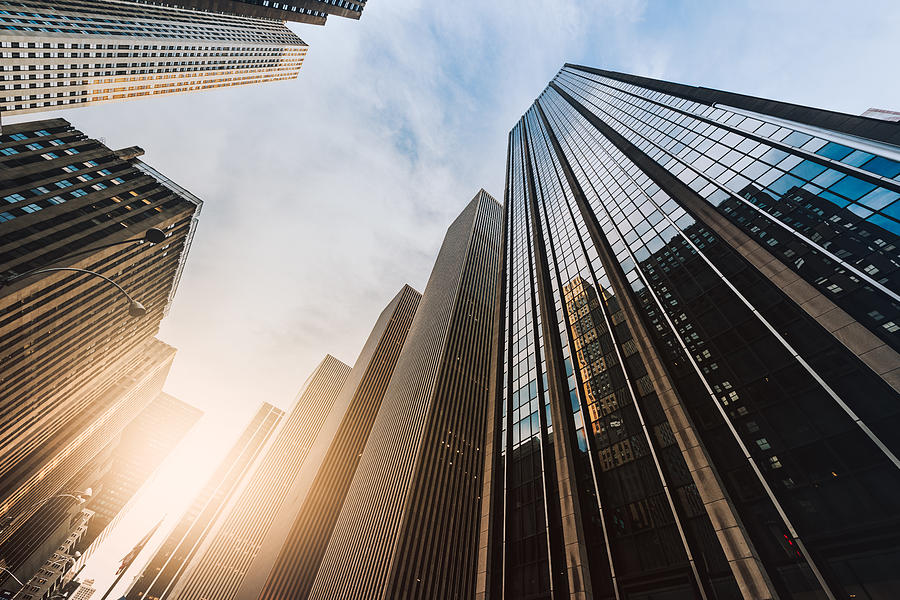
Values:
[(224, 557), (292, 552), (75, 368), (80, 52), (168, 563), (409, 525)]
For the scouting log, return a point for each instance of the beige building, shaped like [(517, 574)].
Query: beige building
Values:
[(56, 55)]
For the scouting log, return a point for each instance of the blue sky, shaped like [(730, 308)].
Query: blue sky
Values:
[(326, 194)]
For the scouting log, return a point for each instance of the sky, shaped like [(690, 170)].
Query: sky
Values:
[(324, 195)]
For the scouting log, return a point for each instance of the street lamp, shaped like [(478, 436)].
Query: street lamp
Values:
[(135, 308)]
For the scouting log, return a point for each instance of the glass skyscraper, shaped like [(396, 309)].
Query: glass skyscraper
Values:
[(697, 362)]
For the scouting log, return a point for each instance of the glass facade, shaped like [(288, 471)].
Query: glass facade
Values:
[(728, 443)]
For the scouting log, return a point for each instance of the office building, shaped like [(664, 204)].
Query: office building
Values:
[(49, 579), (697, 355), (302, 11), (167, 564), (85, 591), (409, 525), (129, 461), (80, 52), (74, 366), (224, 557), (291, 553)]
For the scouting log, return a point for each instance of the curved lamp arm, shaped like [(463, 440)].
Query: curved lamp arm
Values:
[(135, 308), (152, 235)]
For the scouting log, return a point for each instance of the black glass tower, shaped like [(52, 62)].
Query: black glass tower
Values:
[(697, 356)]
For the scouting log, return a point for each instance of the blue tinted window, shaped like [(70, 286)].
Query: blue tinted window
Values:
[(852, 188), (31, 208), (827, 178), (834, 151), (892, 210), (807, 169), (879, 198), (892, 226), (857, 158), (883, 166), (14, 198), (797, 139), (774, 156), (784, 183), (5, 216)]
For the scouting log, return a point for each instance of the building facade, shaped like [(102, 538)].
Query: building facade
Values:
[(292, 553), (697, 355), (167, 564), (301, 11), (409, 525), (128, 462), (79, 52), (233, 543), (49, 580), (75, 368)]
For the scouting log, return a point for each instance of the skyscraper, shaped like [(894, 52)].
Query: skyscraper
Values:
[(697, 357), (56, 561), (167, 565), (62, 55), (301, 11), (133, 457), (223, 559), (290, 556), (71, 358), (409, 525)]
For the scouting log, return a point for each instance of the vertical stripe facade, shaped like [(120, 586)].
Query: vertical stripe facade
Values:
[(225, 557), (315, 513), (706, 284), (163, 570), (409, 525)]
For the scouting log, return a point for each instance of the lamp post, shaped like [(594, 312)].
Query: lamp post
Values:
[(135, 308)]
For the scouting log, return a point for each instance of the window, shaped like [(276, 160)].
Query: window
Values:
[(5, 216), (9, 151), (63, 183), (852, 188), (14, 198), (18, 136), (31, 208), (834, 151)]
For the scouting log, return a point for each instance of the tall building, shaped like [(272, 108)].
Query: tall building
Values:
[(167, 565), (49, 579), (697, 355), (292, 552), (133, 456), (75, 368), (224, 557), (85, 591), (409, 525), (301, 11), (78, 52), (42, 481)]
